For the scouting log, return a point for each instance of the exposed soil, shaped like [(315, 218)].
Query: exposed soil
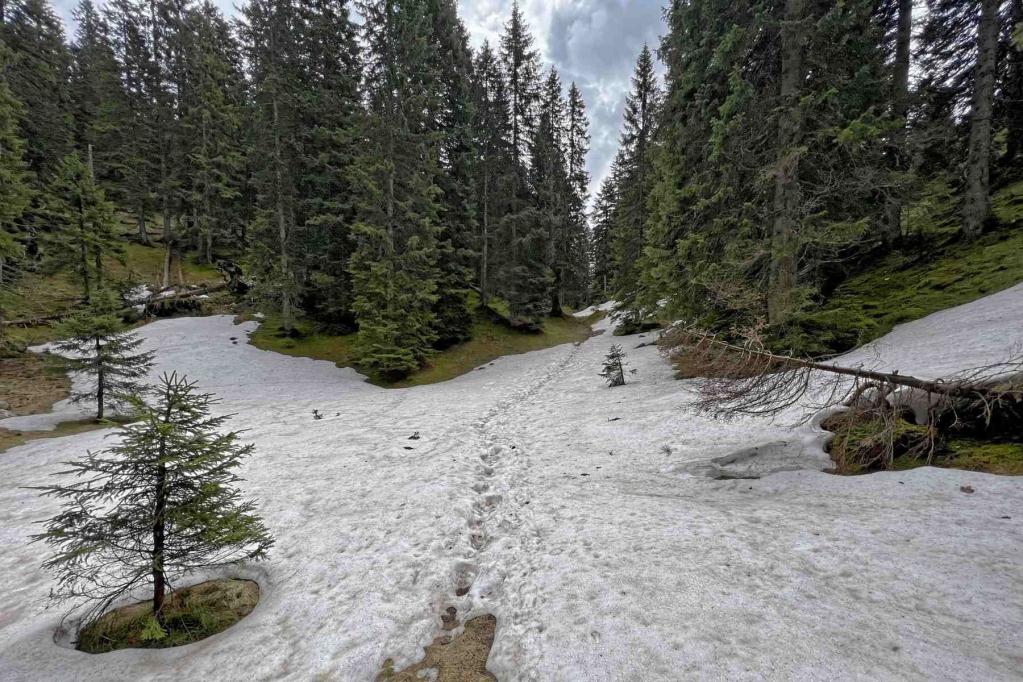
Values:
[(32, 383), (462, 658)]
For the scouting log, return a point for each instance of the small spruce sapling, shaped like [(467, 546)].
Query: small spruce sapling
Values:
[(614, 367), (159, 504), (98, 344)]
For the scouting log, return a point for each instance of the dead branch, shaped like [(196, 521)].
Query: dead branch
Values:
[(157, 298), (750, 380)]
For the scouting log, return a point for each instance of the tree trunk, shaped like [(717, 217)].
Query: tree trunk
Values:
[(83, 249), (782, 276), (977, 202), (165, 282), (484, 256), (556, 310), (143, 234), (159, 578), (100, 380), (900, 106)]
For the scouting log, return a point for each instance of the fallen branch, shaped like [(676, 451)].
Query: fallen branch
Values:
[(750, 380), (156, 298)]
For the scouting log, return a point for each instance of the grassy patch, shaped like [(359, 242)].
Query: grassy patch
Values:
[(189, 614), (490, 340), (42, 293), (907, 286), (10, 438)]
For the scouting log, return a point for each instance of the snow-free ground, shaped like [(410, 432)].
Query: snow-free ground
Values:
[(588, 520)]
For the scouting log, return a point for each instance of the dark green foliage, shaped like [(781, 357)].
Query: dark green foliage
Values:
[(37, 73), (161, 502), (83, 219), (98, 345), (634, 183), (395, 264)]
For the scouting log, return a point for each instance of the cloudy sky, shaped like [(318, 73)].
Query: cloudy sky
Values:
[(592, 42)]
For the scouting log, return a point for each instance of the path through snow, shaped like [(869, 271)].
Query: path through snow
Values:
[(571, 512)]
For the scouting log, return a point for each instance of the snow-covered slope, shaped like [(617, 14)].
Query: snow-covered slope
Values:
[(581, 516)]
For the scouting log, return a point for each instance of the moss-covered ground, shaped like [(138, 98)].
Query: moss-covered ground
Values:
[(189, 614), (931, 270), (490, 340), (907, 285), (860, 443)]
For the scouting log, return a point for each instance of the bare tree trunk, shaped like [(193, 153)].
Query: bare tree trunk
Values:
[(159, 578), (100, 381), (141, 217), (782, 276), (977, 202), (485, 255), (900, 106), (165, 282), (83, 249), (97, 256)]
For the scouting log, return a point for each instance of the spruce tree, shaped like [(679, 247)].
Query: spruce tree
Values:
[(328, 105), (495, 171), (458, 163), (576, 278), (159, 504), (522, 75), (271, 33), (137, 156), (15, 187), (97, 97), (641, 106), (85, 222), (213, 118), (97, 343), (38, 76), (395, 264), (614, 366), (601, 235)]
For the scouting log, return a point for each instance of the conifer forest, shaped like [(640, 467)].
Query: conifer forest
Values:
[(511, 339)]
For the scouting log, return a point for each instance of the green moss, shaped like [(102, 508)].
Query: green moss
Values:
[(907, 286), (976, 455), (490, 340), (189, 614), (860, 444)]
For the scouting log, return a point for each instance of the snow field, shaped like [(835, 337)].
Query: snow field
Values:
[(586, 519)]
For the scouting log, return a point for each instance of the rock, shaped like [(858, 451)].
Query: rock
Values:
[(4, 414), (966, 489)]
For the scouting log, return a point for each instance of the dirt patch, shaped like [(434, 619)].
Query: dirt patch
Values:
[(454, 659), (10, 438), (190, 614), (32, 383)]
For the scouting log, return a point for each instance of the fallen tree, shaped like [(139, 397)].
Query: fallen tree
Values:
[(156, 299), (746, 379)]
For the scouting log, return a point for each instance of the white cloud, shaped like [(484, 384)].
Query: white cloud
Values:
[(592, 42)]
